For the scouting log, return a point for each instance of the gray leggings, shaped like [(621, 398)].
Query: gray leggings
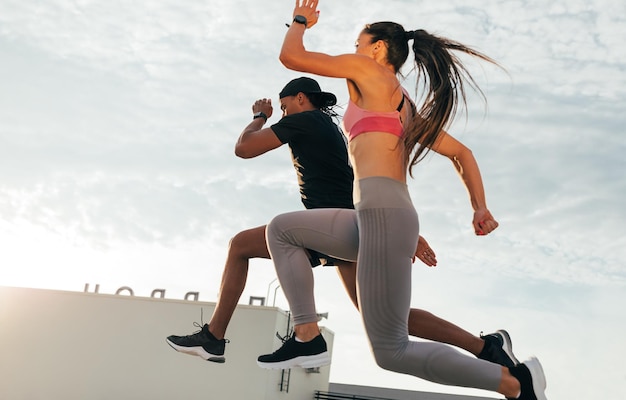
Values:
[(382, 233)]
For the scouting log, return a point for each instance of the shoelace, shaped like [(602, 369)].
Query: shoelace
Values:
[(198, 325), (284, 339), (201, 326)]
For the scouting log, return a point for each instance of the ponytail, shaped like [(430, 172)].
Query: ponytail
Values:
[(443, 77), (441, 74)]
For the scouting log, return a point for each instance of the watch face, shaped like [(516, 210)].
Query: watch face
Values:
[(300, 19)]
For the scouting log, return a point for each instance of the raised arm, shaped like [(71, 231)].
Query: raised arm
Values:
[(467, 168), (294, 56), (256, 140)]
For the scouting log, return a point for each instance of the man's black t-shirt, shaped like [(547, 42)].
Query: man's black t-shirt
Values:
[(320, 157)]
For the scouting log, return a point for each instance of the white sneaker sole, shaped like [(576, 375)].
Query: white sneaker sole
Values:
[(538, 377), (197, 351), (318, 360), (507, 345)]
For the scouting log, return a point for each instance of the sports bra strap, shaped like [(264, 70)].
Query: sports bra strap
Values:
[(401, 103)]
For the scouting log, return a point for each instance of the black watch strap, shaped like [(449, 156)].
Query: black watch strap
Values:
[(300, 19), (260, 114)]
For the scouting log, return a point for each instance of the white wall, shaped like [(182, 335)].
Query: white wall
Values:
[(72, 345)]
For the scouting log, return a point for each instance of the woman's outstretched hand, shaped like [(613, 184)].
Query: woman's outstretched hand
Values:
[(483, 222), (308, 9)]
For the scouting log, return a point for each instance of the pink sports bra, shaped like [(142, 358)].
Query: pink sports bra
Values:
[(357, 120)]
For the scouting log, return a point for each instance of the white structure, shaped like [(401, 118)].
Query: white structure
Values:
[(58, 345), (81, 346)]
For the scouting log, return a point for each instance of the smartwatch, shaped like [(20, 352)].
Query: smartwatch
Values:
[(260, 114), (299, 19)]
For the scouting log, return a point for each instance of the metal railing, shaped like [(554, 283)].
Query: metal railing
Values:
[(343, 396)]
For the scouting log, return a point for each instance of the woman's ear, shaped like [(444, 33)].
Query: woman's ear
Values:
[(379, 45)]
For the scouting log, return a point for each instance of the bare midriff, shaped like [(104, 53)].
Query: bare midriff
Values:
[(377, 154)]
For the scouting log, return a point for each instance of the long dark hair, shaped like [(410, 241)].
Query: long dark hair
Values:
[(319, 102), (442, 76)]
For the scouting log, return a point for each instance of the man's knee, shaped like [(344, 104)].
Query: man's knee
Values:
[(237, 242), (248, 244)]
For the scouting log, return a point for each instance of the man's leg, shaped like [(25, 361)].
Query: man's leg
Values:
[(243, 246), (425, 325), (209, 342)]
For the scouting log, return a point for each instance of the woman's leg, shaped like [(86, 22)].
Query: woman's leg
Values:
[(330, 231), (422, 324), (388, 231)]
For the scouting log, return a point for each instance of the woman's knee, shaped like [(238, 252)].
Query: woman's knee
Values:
[(385, 359), (277, 226)]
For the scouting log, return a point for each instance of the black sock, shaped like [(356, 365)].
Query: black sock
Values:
[(484, 353)]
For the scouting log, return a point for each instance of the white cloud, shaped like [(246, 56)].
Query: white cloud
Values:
[(116, 162)]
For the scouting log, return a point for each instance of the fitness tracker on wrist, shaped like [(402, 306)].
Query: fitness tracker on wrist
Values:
[(299, 19), (260, 114)]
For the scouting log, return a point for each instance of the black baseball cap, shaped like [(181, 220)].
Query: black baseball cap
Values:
[(308, 86)]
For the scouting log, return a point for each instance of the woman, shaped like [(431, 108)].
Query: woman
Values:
[(387, 137)]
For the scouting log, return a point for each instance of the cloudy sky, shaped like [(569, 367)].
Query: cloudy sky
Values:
[(118, 124)]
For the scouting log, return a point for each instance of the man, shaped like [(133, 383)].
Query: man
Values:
[(320, 157)]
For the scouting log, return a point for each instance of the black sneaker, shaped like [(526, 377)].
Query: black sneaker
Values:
[(531, 378), (498, 349), (201, 343), (297, 354)]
